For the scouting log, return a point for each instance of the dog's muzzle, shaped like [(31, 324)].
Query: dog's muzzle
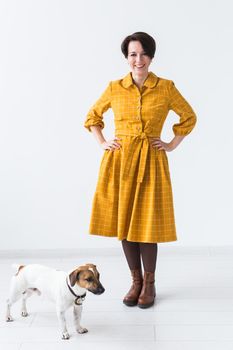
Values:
[(99, 290)]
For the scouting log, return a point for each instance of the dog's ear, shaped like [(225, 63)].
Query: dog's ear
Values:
[(73, 276)]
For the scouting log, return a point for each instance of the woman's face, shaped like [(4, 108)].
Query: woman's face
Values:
[(139, 62)]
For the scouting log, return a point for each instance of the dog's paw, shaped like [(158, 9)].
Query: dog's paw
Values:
[(24, 313), (65, 336), (82, 330), (9, 319)]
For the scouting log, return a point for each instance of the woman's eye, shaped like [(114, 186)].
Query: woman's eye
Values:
[(134, 54)]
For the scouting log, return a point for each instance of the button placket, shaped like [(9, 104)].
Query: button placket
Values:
[(138, 108)]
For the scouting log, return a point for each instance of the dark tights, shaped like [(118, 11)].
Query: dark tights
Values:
[(134, 251)]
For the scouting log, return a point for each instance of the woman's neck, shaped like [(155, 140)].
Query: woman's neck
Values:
[(139, 79)]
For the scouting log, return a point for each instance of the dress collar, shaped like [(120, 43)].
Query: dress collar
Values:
[(151, 80)]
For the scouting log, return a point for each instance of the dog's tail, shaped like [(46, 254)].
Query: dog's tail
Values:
[(17, 268)]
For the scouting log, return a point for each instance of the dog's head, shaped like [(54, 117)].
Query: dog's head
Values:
[(87, 277)]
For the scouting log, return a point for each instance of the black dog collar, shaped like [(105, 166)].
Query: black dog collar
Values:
[(79, 298)]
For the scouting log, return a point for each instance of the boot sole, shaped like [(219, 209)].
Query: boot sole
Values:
[(145, 306), (130, 303)]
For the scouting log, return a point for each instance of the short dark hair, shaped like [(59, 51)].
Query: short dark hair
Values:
[(148, 43)]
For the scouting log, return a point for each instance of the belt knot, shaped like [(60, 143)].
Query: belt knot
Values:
[(143, 136)]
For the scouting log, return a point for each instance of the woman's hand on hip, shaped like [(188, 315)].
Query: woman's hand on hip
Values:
[(111, 144), (160, 145), (156, 142)]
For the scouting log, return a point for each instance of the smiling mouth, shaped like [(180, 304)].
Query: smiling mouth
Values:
[(139, 67)]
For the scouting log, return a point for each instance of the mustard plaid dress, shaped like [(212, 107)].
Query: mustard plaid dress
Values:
[(133, 198)]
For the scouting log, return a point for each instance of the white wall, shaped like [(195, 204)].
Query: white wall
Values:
[(56, 58)]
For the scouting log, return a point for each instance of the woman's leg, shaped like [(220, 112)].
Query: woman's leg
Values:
[(149, 258), (132, 254)]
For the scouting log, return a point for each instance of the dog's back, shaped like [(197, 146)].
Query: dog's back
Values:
[(32, 276)]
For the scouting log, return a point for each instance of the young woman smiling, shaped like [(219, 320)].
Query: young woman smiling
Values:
[(133, 199)]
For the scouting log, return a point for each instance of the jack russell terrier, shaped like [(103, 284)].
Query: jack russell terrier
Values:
[(62, 288)]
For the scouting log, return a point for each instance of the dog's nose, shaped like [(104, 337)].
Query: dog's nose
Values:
[(100, 290)]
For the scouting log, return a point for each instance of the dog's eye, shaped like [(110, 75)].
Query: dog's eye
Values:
[(89, 279)]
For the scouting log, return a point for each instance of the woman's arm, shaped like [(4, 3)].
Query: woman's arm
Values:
[(170, 146), (111, 145), (97, 132), (187, 120)]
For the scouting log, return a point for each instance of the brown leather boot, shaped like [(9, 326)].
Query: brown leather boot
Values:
[(147, 296), (131, 298)]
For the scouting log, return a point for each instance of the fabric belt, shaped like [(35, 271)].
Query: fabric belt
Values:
[(138, 143)]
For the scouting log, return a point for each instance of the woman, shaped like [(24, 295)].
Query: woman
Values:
[(133, 199)]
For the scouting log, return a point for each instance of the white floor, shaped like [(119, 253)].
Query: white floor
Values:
[(193, 310)]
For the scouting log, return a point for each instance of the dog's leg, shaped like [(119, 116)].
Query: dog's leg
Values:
[(9, 318), (14, 296), (62, 321), (26, 295), (77, 311)]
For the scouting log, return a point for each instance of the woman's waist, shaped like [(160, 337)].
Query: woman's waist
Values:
[(140, 134)]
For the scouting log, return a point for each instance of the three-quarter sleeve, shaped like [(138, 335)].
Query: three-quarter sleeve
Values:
[(95, 114), (182, 108)]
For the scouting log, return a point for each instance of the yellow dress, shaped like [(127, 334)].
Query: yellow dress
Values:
[(133, 198)]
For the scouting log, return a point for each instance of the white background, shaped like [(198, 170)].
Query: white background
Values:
[(56, 58)]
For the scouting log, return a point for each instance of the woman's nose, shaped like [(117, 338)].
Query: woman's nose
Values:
[(138, 58)]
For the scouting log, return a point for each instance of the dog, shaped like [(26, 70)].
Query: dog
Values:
[(65, 289)]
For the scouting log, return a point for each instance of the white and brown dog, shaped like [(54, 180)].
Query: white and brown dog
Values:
[(65, 289)]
